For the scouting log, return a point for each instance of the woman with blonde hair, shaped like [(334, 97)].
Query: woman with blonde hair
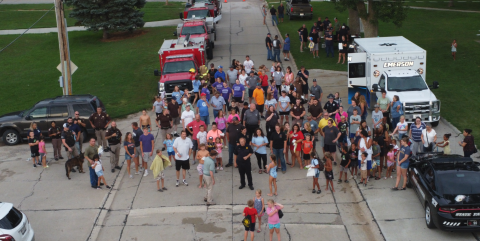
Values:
[(363, 106), (37, 133)]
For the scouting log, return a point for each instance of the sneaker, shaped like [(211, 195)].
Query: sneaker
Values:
[(109, 187), (56, 158), (141, 168), (364, 184), (346, 181), (160, 190), (98, 187), (228, 165), (319, 191), (137, 173), (185, 182), (164, 188), (176, 185), (117, 167), (334, 163), (313, 191), (226, 147), (205, 199), (131, 176), (339, 181), (146, 173), (46, 166), (194, 162), (221, 168), (113, 170), (34, 165), (217, 168), (385, 178), (163, 149), (73, 170)]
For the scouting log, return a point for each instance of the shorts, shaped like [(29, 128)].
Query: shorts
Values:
[(251, 228), (146, 156), (330, 148), (146, 126), (42, 155), (352, 135), (404, 165), (160, 176), (280, 15), (195, 145), (138, 150), (317, 175), (158, 114), (272, 226), (250, 92), (182, 164), (171, 153), (343, 169), (284, 113), (315, 47), (329, 175), (390, 163), (176, 120), (237, 99), (128, 157), (286, 51), (200, 169), (364, 174), (99, 173), (378, 163), (306, 156), (343, 139), (34, 154), (369, 165)]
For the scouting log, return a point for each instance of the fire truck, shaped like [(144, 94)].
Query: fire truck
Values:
[(198, 29), (202, 10)]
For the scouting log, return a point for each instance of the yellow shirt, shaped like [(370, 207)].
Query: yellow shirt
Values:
[(324, 122), (259, 96)]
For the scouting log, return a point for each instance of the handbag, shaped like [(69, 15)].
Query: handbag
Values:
[(280, 213), (429, 148)]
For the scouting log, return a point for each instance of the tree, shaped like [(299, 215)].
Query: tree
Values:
[(108, 15), (383, 10)]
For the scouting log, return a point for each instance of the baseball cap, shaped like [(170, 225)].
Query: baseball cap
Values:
[(259, 84), (309, 115), (210, 138), (231, 66), (220, 67), (312, 95), (174, 98), (343, 26), (65, 125), (268, 34), (203, 94), (376, 106), (314, 80), (235, 118), (330, 96)]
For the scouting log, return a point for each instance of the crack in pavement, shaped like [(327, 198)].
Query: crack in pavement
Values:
[(33, 189)]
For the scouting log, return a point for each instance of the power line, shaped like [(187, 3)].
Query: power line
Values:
[(26, 29)]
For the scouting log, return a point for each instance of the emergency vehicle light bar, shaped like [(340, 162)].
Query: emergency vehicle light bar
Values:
[(180, 56)]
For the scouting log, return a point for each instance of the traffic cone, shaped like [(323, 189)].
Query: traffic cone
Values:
[(225, 1)]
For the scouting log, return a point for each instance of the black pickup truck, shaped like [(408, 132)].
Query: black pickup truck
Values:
[(299, 9)]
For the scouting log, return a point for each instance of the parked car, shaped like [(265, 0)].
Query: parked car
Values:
[(299, 9), (14, 225), (14, 127), (447, 186)]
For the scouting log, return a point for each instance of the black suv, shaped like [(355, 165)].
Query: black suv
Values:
[(14, 127), (447, 186)]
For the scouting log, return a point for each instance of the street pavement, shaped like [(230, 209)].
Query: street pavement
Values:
[(62, 209)]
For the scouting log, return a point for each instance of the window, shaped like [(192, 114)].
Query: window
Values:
[(83, 109), (407, 83), (356, 70), (11, 220), (58, 111), (381, 83), (38, 113), (430, 178)]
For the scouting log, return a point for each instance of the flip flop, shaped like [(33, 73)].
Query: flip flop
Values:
[(395, 189)]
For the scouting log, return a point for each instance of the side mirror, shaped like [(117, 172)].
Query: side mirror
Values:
[(175, 34), (181, 16), (213, 30), (375, 87), (435, 85), (156, 73), (28, 117)]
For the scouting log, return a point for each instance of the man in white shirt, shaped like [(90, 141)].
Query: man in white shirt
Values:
[(248, 64), (183, 148), (187, 116)]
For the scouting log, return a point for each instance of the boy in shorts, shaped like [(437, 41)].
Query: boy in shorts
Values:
[(202, 153), (376, 158), (328, 170), (344, 163), (363, 169), (252, 212), (315, 164), (343, 128), (307, 147)]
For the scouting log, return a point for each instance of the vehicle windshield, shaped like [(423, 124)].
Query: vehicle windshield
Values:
[(193, 30), (459, 183), (410, 83), (178, 67), (198, 13)]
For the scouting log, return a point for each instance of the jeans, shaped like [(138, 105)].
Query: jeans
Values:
[(215, 114), (276, 55), (329, 49), (231, 149), (274, 18), (280, 156), (205, 119), (269, 53), (395, 121), (93, 176), (416, 145)]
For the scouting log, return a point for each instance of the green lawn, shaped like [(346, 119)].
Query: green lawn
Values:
[(457, 5), (120, 73), (22, 16), (433, 31)]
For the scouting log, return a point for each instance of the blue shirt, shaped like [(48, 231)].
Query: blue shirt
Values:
[(196, 84), (178, 96), (404, 150), (217, 102), (202, 108), (395, 113), (75, 128), (314, 163), (169, 144), (417, 132), (207, 92), (258, 141), (286, 44), (220, 75), (226, 93), (237, 90)]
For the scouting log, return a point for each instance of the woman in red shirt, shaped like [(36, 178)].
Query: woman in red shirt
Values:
[(264, 78), (296, 138)]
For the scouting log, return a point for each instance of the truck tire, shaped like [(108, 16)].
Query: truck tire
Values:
[(11, 137), (435, 123), (209, 53), (428, 216)]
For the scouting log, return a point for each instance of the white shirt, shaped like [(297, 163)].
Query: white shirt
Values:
[(363, 144), (98, 167), (248, 66), (202, 137), (242, 79), (363, 166), (183, 148), (428, 137), (187, 117)]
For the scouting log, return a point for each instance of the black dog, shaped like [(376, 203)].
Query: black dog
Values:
[(76, 161)]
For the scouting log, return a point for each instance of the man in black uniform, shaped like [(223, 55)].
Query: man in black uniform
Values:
[(100, 121), (83, 124), (233, 133), (316, 110), (68, 141), (114, 137), (331, 107), (343, 32), (242, 161), (268, 44)]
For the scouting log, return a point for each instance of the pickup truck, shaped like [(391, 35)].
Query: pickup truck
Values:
[(299, 9)]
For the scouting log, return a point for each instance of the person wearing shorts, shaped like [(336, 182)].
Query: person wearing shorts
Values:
[(183, 148), (147, 143), (252, 212)]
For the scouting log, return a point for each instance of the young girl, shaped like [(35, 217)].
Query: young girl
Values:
[(328, 170), (97, 165), (33, 143), (307, 147), (363, 169), (43, 152), (315, 164), (445, 144), (202, 153), (286, 130), (130, 152), (221, 121), (272, 170), (390, 161), (218, 148), (260, 207), (311, 45), (353, 156), (168, 143), (273, 218), (395, 147)]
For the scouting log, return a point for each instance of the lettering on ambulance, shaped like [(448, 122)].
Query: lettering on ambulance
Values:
[(398, 64)]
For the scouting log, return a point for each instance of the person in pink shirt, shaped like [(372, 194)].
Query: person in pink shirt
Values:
[(273, 218), (215, 132), (221, 121), (233, 113), (43, 152), (193, 128), (340, 113)]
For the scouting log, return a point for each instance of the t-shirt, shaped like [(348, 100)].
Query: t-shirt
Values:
[(221, 123), (173, 109), (178, 96), (383, 102), (314, 37), (201, 137), (345, 157), (273, 11), (252, 212), (268, 42), (183, 148), (207, 92), (214, 134), (297, 136), (41, 146), (202, 108), (276, 44), (220, 75), (230, 118), (196, 85), (130, 147), (350, 112), (284, 103), (277, 76), (136, 135), (259, 140), (342, 127), (98, 166), (218, 86), (363, 165), (274, 219), (248, 66), (402, 126), (338, 117), (259, 96), (164, 121), (417, 131), (331, 134), (146, 141), (315, 162), (252, 81), (270, 102), (238, 90), (391, 156), (404, 150), (234, 132), (377, 116), (91, 151), (226, 92), (307, 146), (394, 112), (242, 78), (169, 144), (376, 150), (286, 44), (428, 137), (232, 75), (196, 127), (158, 106), (208, 166), (187, 117), (354, 127)]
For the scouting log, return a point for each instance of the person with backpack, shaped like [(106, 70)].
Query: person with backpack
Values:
[(274, 218), (68, 141), (277, 45)]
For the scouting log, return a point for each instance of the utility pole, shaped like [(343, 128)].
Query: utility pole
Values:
[(64, 48)]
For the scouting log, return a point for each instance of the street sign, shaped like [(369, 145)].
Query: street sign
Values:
[(73, 66)]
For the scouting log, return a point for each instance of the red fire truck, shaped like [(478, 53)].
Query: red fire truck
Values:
[(202, 9)]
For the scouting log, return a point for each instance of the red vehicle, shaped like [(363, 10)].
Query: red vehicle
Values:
[(202, 9), (198, 29), (180, 60)]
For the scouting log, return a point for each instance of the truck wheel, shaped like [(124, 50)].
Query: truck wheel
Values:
[(209, 53), (428, 216), (435, 123), (11, 137)]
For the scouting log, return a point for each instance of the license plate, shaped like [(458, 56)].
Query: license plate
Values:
[(415, 116), (301, 14), (472, 223), (24, 229)]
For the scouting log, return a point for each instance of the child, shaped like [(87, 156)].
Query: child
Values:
[(260, 207), (201, 154), (395, 150), (316, 165), (159, 165), (273, 218), (33, 143), (311, 45), (390, 161), (363, 168), (284, 87), (445, 144), (202, 136), (252, 212), (343, 128), (376, 159), (307, 148), (273, 68), (219, 146), (272, 170), (97, 165), (221, 121), (210, 144), (344, 163), (328, 170), (354, 124), (43, 152), (353, 156), (168, 143)]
